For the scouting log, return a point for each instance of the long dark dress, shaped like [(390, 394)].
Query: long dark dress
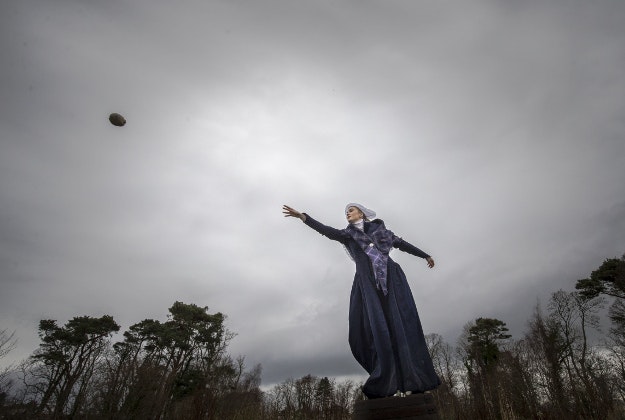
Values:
[(385, 333)]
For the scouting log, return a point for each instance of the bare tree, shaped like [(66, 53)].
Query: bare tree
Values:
[(7, 344), (574, 314)]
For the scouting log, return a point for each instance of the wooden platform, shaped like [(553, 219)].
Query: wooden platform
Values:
[(412, 407)]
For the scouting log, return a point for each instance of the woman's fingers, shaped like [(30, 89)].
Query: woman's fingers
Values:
[(289, 212)]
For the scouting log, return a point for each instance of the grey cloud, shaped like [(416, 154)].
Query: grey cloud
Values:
[(489, 136)]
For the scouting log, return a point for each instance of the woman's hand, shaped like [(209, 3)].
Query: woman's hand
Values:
[(430, 262), (291, 212)]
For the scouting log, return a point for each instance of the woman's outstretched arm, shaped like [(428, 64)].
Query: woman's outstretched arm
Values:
[(327, 231), (402, 245)]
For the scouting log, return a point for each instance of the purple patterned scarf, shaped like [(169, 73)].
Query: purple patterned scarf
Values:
[(377, 244)]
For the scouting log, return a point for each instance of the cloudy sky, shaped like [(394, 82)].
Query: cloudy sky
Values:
[(491, 134)]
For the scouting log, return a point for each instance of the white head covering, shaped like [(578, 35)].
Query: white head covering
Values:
[(369, 214)]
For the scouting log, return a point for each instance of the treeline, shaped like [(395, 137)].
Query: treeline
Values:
[(173, 369), (553, 371), (180, 368)]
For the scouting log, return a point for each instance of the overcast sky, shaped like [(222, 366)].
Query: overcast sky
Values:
[(491, 134)]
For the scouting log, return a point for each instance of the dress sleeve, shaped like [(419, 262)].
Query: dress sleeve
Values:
[(402, 245), (327, 231)]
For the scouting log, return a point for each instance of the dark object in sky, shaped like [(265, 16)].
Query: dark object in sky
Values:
[(117, 119)]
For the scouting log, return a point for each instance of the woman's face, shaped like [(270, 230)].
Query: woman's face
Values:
[(354, 214)]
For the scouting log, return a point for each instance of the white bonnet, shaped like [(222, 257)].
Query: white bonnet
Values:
[(369, 214)]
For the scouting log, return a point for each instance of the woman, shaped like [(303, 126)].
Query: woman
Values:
[(385, 333)]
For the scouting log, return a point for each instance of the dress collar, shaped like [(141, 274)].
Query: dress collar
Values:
[(359, 225)]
